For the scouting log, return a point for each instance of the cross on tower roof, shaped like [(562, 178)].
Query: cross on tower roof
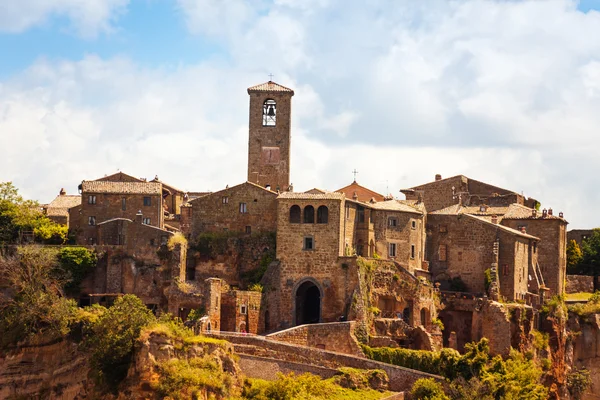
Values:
[(270, 77), (355, 172)]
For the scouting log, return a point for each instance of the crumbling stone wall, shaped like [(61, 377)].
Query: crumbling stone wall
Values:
[(240, 311), (334, 336), (580, 283)]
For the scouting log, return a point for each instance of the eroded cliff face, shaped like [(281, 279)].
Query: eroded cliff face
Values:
[(56, 371), (60, 370), (585, 349)]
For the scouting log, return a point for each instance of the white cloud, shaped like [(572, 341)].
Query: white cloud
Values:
[(87, 17), (505, 92)]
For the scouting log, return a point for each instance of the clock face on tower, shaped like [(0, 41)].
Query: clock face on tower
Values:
[(270, 156)]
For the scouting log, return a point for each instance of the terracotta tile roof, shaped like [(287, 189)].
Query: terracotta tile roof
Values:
[(503, 228), (518, 211), (395, 205), (121, 187), (316, 191), (472, 210), (363, 194), (223, 191), (61, 204), (120, 177), (270, 87), (311, 196), (166, 185)]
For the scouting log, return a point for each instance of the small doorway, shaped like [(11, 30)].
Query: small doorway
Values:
[(308, 304)]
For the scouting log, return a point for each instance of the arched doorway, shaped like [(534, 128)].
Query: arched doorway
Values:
[(308, 304)]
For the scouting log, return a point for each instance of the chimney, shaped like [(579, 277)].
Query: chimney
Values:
[(494, 219), (138, 217), (544, 213), (62, 192), (438, 177), (560, 214), (549, 211), (534, 213)]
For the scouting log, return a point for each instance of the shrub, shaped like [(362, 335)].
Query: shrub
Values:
[(177, 239), (113, 336), (76, 262), (578, 382), (196, 314), (256, 287), (428, 389)]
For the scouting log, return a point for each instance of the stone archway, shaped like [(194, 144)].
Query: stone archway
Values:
[(308, 303)]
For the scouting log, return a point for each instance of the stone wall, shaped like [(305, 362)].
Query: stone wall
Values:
[(241, 311), (580, 283), (400, 378), (334, 336), (269, 368), (246, 208)]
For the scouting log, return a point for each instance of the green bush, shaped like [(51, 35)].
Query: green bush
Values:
[(113, 336), (428, 389), (76, 262), (578, 382)]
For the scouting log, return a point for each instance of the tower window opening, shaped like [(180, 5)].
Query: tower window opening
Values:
[(269, 112)]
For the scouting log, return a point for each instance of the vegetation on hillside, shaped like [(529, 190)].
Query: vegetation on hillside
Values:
[(18, 216), (472, 375)]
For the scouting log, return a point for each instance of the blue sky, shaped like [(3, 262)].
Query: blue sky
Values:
[(502, 91)]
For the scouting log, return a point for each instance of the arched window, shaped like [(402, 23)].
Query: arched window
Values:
[(309, 215), (269, 112), (295, 214), (322, 215)]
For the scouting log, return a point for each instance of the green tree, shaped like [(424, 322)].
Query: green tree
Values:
[(19, 215), (112, 337), (574, 256), (428, 389), (591, 253), (33, 301)]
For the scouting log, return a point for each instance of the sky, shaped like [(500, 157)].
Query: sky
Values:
[(506, 92)]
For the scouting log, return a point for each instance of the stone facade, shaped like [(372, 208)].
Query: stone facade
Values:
[(579, 283), (247, 208), (579, 235), (105, 200), (269, 138), (334, 336), (465, 246), (240, 311)]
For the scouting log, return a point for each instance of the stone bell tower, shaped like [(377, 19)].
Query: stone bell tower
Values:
[(269, 135)]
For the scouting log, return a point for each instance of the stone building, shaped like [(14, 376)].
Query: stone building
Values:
[(58, 209), (106, 200), (244, 208), (269, 138), (463, 246), (442, 193)]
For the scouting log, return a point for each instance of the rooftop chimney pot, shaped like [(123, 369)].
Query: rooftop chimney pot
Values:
[(438, 177), (549, 211)]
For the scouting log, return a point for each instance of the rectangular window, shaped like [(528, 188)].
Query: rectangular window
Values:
[(442, 252), (164, 240), (146, 221), (151, 242), (147, 201), (91, 199), (248, 229), (308, 243), (392, 251), (243, 208), (243, 309), (392, 222), (460, 256), (360, 214), (92, 220), (225, 200), (123, 204), (412, 251), (347, 212), (413, 224)]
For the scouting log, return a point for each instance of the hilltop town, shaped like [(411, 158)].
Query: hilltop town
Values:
[(274, 270)]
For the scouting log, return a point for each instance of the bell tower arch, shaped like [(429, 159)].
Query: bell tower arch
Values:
[(269, 135)]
